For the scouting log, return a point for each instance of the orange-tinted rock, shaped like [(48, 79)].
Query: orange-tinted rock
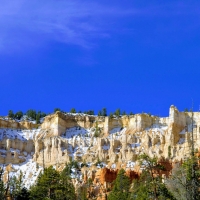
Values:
[(108, 175), (132, 174)]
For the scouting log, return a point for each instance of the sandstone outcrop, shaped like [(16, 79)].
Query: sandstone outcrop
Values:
[(100, 142), (120, 141), (12, 124)]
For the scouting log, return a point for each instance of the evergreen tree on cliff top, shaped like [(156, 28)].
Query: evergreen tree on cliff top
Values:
[(11, 114), (120, 190)]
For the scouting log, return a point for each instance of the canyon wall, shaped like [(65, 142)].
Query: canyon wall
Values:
[(168, 137), (99, 142)]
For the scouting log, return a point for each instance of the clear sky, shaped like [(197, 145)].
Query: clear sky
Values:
[(89, 54)]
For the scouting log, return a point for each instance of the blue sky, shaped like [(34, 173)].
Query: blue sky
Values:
[(139, 56)]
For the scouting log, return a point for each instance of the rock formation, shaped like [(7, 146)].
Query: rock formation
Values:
[(63, 137)]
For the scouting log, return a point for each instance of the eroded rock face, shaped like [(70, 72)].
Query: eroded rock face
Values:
[(16, 145), (121, 140), (59, 122), (11, 124), (104, 141)]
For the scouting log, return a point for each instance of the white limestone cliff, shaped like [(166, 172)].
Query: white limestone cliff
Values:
[(64, 137)]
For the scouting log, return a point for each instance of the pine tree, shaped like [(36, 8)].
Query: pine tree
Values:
[(24, 194), (73, 110), (56, 109), (38, 118), (111, 115), (151, 164), (104, 112), (2, 186), (100, 113), (90, 112), (11, 114), (42, 114), (46, 185), (31, 114), (16, 185), (183, 183), (149, 186), (71, 165), (143, 188), (120, 190), (118, 112), (18, 115), (124, 113), (65, 189), (53, 185), (140, 190)]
